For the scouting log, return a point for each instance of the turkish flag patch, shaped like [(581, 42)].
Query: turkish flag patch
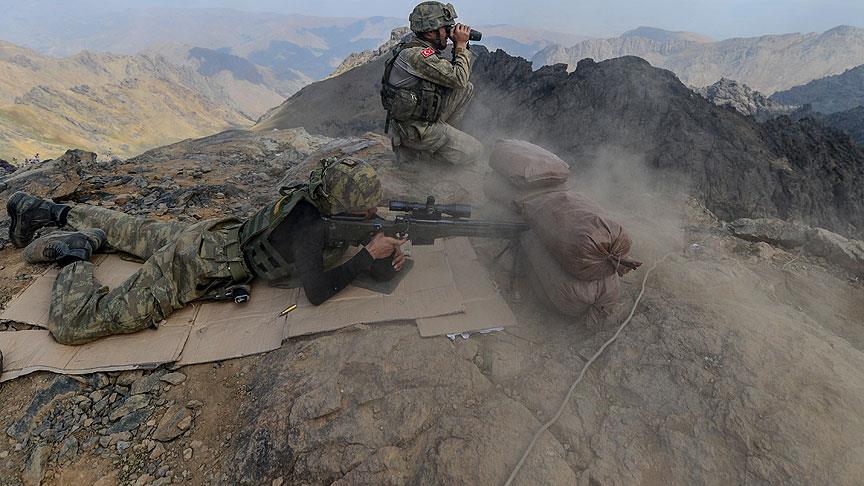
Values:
[(427, 52)]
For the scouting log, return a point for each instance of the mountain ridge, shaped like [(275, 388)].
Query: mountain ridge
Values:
[(831, 94), (766, 63)]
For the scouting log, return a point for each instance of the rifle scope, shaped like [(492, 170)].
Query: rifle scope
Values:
[(431, 210)]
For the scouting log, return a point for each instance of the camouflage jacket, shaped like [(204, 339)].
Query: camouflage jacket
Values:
[(420, 58)]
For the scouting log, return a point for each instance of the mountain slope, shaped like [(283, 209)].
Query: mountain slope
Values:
[(828, 95), (768, 63), (850, 121), (252, 89), (107, 103), (624, 109)]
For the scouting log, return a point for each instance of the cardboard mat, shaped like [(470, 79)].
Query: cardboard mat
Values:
[(446, 291)]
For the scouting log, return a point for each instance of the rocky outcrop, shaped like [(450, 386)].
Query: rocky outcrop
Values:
[(737, 166), (768, 63), (828, 95), (743, 99), (360, 58), (56, 179), (434, 424), (812, 241)]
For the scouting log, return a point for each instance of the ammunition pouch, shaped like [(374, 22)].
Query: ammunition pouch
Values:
[(423, 103)]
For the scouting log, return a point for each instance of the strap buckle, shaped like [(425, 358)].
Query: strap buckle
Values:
[(239, 293)]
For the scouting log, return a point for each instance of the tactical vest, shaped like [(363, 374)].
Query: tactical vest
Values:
[(263, 259), (261, 256), (421, 102)]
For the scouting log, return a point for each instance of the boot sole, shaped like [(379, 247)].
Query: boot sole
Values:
[(13, 217)]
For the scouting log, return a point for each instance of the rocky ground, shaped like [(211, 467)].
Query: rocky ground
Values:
[(741, 365)]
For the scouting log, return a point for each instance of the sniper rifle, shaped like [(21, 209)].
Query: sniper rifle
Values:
[(423, 223)]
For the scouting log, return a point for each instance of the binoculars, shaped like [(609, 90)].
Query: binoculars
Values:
[(473, 36)]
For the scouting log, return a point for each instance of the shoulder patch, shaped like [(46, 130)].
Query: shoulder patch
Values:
[(427, 52)]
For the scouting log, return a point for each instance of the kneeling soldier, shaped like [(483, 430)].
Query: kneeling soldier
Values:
[(188, 262), (425, 94)]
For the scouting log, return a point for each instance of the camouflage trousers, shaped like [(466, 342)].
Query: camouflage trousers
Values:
[(183, 262), (440, 141)]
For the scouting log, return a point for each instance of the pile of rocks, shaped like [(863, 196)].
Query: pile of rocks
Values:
[(118, 416)]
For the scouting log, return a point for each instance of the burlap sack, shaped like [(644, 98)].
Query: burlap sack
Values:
[(498, 190), (526, 165), (568, 295), (575, 230)]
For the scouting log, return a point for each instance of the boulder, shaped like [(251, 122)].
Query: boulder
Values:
[(817, 242), (53, 179), (169, 427)]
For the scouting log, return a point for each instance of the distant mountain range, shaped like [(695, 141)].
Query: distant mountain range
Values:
[(768, 63), (296, 49), (286, 44), (84, 77), (107, 103), (836, 101), (828, 95)]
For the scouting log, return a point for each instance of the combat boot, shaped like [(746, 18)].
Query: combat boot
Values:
[(29, 214), (65, 246)]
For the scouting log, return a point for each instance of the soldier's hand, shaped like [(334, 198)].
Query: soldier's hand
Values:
[(460, 34), (382, 246), (398, 259)]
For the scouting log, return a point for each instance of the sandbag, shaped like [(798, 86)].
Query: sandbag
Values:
[(568, 295), (575, 230), (498, 190), (526, 165)]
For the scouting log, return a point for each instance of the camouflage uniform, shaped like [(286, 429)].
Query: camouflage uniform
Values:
[(183, 262), (186, 262), (418, 58)]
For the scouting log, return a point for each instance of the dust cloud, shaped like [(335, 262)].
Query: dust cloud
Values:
[(724, 336)]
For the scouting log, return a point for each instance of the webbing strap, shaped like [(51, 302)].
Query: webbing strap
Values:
[(232, 251)]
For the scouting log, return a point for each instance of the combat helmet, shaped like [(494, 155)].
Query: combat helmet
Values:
[(344, 185), (430, 16)]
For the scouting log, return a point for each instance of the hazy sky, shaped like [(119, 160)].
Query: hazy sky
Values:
[(716, 18)]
